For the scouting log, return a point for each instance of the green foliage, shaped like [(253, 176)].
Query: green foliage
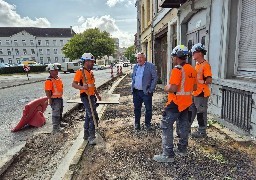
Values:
[(19, 69), (92, 41), (130, 54)]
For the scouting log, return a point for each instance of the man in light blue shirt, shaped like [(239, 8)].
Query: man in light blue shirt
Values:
[(144, 80)]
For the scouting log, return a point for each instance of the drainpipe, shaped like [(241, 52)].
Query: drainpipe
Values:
[(152, 34), (178, 28)]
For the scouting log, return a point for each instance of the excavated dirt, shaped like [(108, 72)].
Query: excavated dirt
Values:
[(43, 152), (122, 153)]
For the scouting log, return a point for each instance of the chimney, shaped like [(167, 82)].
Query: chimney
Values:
[(71, 32)]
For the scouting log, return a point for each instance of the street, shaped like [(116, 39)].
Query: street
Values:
[(14, 99)]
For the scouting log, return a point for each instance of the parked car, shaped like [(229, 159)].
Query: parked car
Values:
[(97, 67), (70, 66), (3, 65)]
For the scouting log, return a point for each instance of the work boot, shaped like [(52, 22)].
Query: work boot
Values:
[(86, 135), (63, 124), (148, 127), (57, 130), (163, 159), (137, 127), (198, 134), (92, 142), (181, 152)]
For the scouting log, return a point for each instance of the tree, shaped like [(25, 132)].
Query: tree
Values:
[(130, 54), (94, 41)]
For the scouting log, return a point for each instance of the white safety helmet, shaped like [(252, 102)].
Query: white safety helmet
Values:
[(198, 48), (52, 67), (180, 51), (87, 57)]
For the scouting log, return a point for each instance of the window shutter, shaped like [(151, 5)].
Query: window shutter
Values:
[(247, 43)]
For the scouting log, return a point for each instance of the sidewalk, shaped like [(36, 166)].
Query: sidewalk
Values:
[(20, 79)]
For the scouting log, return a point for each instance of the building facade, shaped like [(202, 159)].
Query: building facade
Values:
[(43, 45), (228, 31), (146, 16), (164, 21)]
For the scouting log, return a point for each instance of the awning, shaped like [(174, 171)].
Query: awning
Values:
[(171, 3)]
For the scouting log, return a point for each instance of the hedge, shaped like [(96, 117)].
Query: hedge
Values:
[(19, 69)]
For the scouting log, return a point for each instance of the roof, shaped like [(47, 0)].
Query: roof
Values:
[(172, 3), (38, 32)]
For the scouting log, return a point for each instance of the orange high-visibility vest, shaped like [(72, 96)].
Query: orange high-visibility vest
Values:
[(89, 80), (55, 85), (185, 78), (203, 70)]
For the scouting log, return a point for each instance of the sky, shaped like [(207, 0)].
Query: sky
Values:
[(118, 17)]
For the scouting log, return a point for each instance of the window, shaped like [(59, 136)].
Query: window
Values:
[(7, 42), (41, 60), (63, 59), (15, 42), (1, 60), (56, 59), (24, 51), (17, 52), (47, 42), (39, 42), (32, 51), (203, 40), (1, 51), (9, 52), (41, 51), (49, 60), (48, 51), (32, 42), (54, 42), (18, 60), (0, 42), (55, 51), (10, 60), (24, 42), (61, 42)]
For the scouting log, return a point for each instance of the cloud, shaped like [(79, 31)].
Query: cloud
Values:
[(112, 3), (9, 17), (105, 23)]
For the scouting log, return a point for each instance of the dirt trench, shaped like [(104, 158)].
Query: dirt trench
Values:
[(43, 152), (122, 153)]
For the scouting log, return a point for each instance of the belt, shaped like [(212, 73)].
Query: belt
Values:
[(137, 89)]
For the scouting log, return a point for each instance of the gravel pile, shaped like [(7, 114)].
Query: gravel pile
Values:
[(122, 153)]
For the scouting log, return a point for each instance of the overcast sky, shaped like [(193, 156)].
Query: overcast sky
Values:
[(118, 17)]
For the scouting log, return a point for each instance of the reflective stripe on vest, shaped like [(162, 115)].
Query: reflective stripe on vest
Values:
[(91, 85), (182, 92), (56, 93), (200, 79)]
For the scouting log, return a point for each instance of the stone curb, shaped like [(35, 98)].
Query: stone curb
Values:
[(22, 83)]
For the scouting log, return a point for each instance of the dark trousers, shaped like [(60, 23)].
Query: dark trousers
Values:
[(167, 122), (138, 98), (89, 126), (57, 110)]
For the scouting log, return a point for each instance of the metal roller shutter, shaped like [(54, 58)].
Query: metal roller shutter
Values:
[(247, 43)]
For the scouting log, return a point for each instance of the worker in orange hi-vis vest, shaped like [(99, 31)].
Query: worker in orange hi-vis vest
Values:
[(201, 95), (54, 92), (181, 85), (85, 82)]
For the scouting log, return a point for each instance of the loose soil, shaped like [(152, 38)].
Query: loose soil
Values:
[(123, 153), (43, 153)]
